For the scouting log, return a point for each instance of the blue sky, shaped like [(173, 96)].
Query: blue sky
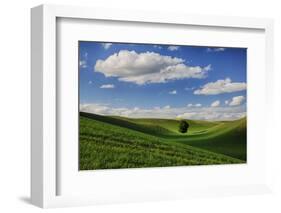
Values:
[(148, 80)]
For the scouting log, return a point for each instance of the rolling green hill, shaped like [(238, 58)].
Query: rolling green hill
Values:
[(171, 124), (229, 138), (160, 127), (118, 142)]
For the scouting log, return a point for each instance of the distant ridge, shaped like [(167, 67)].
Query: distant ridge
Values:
[(156, 130)]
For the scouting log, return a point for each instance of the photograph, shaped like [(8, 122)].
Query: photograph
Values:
[(159, 105)]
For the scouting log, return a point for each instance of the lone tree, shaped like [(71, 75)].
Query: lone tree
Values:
[(183, 127)]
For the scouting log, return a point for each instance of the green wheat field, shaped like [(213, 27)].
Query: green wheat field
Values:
[(113, 142)]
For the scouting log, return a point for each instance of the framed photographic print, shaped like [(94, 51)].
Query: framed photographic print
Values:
[(129, 106), (152, 105)]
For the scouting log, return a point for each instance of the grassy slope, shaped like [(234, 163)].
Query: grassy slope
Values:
[(108, 145), (229, 138), (225, 137)]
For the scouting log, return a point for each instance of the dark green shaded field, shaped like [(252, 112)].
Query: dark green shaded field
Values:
[(117, 142)]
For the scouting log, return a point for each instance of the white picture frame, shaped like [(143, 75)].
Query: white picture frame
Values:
[(44, 154)]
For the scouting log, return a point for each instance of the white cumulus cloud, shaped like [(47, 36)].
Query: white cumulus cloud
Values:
[(215, 103), (235, 101), (107, 86), (221, 86), (173, 48), (147, 67)]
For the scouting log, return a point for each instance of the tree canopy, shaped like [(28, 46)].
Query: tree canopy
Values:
[(183, 126)]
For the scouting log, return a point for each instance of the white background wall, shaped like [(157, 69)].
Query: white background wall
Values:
[(15, 99)]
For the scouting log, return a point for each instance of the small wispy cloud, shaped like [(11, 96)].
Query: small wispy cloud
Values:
[(106, 45), (173, 48), (189, 88), (107, 86), (157, 46), (173, 92), (194, 105), (90, 82), (83, 64), (83, 61), (218, 49)]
